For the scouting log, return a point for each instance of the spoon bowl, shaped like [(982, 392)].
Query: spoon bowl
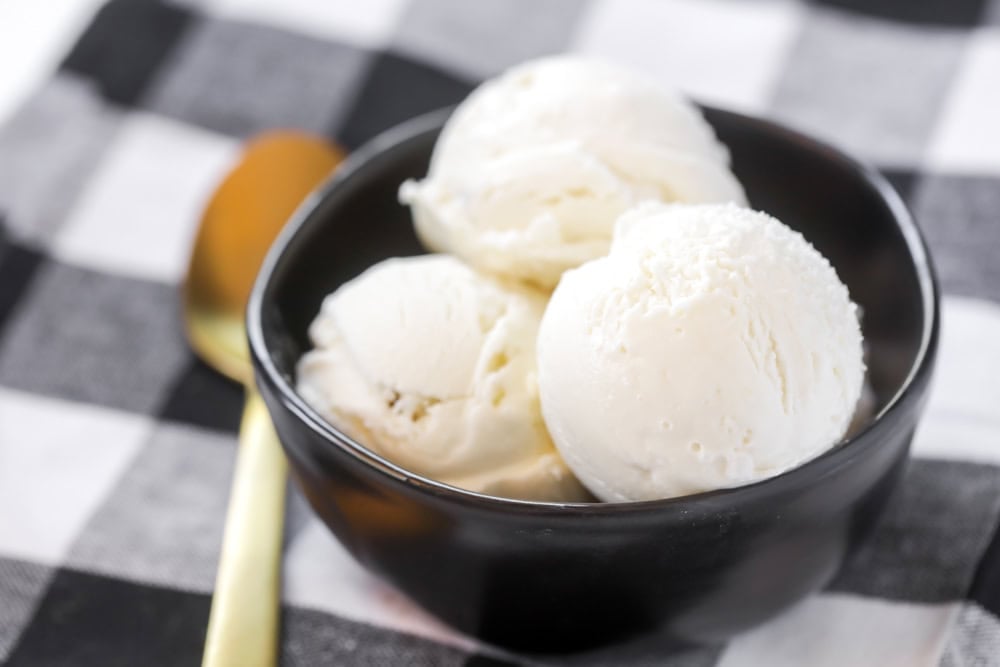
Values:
[(245, 214)]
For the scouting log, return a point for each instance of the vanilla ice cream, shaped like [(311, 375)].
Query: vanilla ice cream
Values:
[(712, 347), (433, 366), (532, 170)]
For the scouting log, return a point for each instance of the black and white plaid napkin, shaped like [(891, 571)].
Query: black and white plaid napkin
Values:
[(116, 445)]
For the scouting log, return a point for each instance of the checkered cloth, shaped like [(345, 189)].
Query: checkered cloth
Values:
[(117, 445)]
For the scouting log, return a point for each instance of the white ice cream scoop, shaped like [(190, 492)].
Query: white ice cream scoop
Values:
[(533, 168), (713, 347), (433, 366)]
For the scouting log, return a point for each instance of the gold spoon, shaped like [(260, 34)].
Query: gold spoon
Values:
[(276, 172)]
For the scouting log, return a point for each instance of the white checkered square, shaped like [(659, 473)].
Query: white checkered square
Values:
[(836, 630), (967, 137), (974, 640), (320, 574), (961, 420), (57, 461), (139, 212), (719, 51), (368, 24), (35, 37)]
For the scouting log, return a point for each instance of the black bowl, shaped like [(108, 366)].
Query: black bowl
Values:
[(545, 576)]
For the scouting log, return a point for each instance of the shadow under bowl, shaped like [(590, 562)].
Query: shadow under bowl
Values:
[(557, 577)]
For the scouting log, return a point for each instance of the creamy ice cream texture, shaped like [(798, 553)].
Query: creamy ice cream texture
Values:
[(533, 168), (433, 366), (712, 347)]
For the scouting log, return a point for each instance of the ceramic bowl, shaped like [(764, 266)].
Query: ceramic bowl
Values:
[(555, 577)]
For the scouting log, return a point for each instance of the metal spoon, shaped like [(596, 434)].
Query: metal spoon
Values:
[(276, 172)]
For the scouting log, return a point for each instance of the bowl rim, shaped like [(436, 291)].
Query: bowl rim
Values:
[(801, 475)]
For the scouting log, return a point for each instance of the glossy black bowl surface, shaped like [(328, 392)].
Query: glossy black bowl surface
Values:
[(542, 576)]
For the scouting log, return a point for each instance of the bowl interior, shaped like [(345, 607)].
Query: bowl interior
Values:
[(846, 211)]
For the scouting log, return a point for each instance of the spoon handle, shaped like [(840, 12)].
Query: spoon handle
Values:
[(243, 624)]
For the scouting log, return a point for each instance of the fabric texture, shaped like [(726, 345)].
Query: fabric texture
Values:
[(117, 445)]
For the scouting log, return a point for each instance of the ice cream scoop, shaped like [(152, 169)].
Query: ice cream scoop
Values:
[(714, 346), (433, 366), (533, 168)]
